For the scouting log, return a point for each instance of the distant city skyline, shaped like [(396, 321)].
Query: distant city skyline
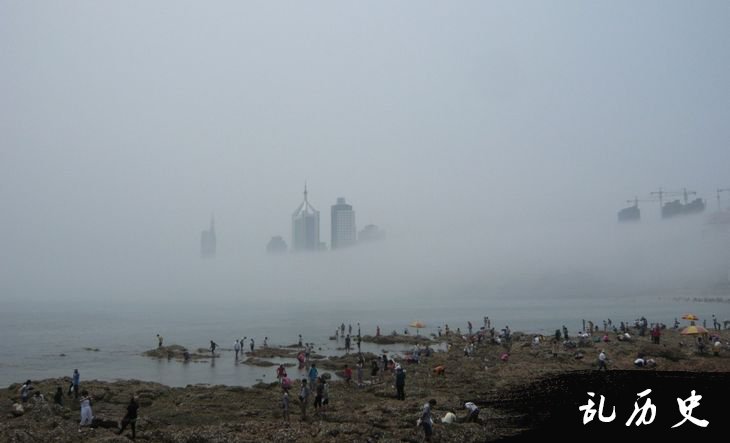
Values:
[(305, 229)]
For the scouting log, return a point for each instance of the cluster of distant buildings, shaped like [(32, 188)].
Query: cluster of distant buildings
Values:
[(305, 231)]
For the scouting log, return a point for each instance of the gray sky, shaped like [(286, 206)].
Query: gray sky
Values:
[(449, 124)]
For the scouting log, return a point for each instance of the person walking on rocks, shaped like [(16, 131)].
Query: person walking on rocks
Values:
[(602, 361), (251, 344), (313, 373), (426, 420), (304, 398), (87, 416), (325, 393), (359, 370), (300, 340), (285, 404), (130, 418), (25, 391), (359, 342), (286, 382), (58, 397), (280, 373), (75, 379), (237, 348), (348, 374), (374, 368), (400, 383), (347, 344), (213, 345), (307, 350), (159, 341), (319, 393)]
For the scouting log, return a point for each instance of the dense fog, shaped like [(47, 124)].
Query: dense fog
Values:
[(493, 143)]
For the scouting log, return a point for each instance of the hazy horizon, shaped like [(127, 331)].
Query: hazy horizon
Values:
[(493, 142)]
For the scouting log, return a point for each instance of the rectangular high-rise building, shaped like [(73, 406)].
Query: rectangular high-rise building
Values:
[(343, 229)]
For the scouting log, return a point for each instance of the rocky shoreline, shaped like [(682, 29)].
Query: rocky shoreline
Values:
[(203, 413)]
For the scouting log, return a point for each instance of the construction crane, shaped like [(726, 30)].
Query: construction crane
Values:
[(719, 191), (684, 192)]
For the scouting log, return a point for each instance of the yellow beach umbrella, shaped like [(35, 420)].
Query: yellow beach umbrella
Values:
[(694, 330), (690, 317)]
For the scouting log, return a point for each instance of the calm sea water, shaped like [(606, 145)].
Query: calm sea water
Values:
[(36, 334)]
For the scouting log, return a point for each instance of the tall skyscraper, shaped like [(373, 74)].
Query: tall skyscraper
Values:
[(305, 226), (207, 241), (344, 233)]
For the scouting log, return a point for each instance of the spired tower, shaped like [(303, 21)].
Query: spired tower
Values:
[(305, 226), (207, 241)]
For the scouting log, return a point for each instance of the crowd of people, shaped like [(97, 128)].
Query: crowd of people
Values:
[(82, 398), (313, 390)]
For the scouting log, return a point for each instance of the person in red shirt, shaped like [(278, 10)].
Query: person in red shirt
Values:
[(348, 373)]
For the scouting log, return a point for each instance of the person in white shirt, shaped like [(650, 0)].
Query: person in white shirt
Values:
[(602, 361), (87, 416), (473, 412)]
